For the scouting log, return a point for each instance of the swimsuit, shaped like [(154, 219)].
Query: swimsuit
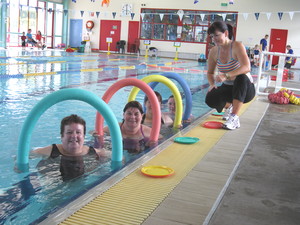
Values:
[(69, 166), (231, 65), (135, 144)]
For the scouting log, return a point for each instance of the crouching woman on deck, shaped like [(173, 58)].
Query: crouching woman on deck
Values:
[(237, 87)]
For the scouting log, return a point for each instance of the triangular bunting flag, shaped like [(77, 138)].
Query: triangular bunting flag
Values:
[(114, 14), (161, 16), (65, 12), (196, 1), (142, 15), (291, 15), (245, 15), (268, 15), (224, 16), (74, 1), (280, 15), (202, 16), (231, 2), (256, 15), (36, 9), (132, 15), (212, 17), (50, 10), (180, 14), (97, 14), (92, 14), (81, 12)]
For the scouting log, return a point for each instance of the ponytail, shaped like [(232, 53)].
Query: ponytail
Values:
[(230, 31)]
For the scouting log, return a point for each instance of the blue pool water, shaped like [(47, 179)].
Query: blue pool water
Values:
[(28, 197)]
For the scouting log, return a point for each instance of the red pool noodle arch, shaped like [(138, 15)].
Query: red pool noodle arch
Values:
[(152, 98)]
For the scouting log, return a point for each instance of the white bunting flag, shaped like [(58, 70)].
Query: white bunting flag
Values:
[(291, 15)]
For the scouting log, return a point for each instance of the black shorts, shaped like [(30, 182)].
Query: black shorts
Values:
[(242, 90), (288, 65)]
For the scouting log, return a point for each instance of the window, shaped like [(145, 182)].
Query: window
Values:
[(191, 26), (38, 15)]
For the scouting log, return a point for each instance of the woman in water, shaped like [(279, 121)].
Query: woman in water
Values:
[(135, 134), (147, 117), (172, 110), (71, 155)]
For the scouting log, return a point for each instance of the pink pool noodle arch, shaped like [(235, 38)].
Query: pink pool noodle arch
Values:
[(148, 91)]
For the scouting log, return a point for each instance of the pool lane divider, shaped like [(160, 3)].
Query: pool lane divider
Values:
[(141, 66), (136, 196), (53, 62)]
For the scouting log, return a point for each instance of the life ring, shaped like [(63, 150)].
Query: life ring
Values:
[(156, 122), (171, 86), (62, 95), (89, 24)]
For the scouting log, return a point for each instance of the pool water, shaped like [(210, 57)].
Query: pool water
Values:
[(25, 79)]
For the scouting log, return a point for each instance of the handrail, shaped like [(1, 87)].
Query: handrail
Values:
[(280, 70)]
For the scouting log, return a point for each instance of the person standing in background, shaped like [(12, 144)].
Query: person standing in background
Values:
[(256, 52), (23, 38), (288, 60), (264, 43)]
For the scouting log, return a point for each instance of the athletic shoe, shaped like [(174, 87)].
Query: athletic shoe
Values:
[(44, 46), (232, 123), (227, 113)]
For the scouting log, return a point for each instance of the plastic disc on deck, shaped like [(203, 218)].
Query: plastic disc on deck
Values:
[(157, 171), (213, 124), (218, 114), (186, 140)]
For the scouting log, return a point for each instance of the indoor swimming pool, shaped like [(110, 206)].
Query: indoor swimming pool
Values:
[(26, 77)]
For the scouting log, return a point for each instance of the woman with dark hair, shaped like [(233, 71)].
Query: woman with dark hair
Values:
[(231, 60), (71, 156), (135, 134)]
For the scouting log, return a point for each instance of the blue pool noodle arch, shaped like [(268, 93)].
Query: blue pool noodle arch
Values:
[(62, 95), (186, 90)]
